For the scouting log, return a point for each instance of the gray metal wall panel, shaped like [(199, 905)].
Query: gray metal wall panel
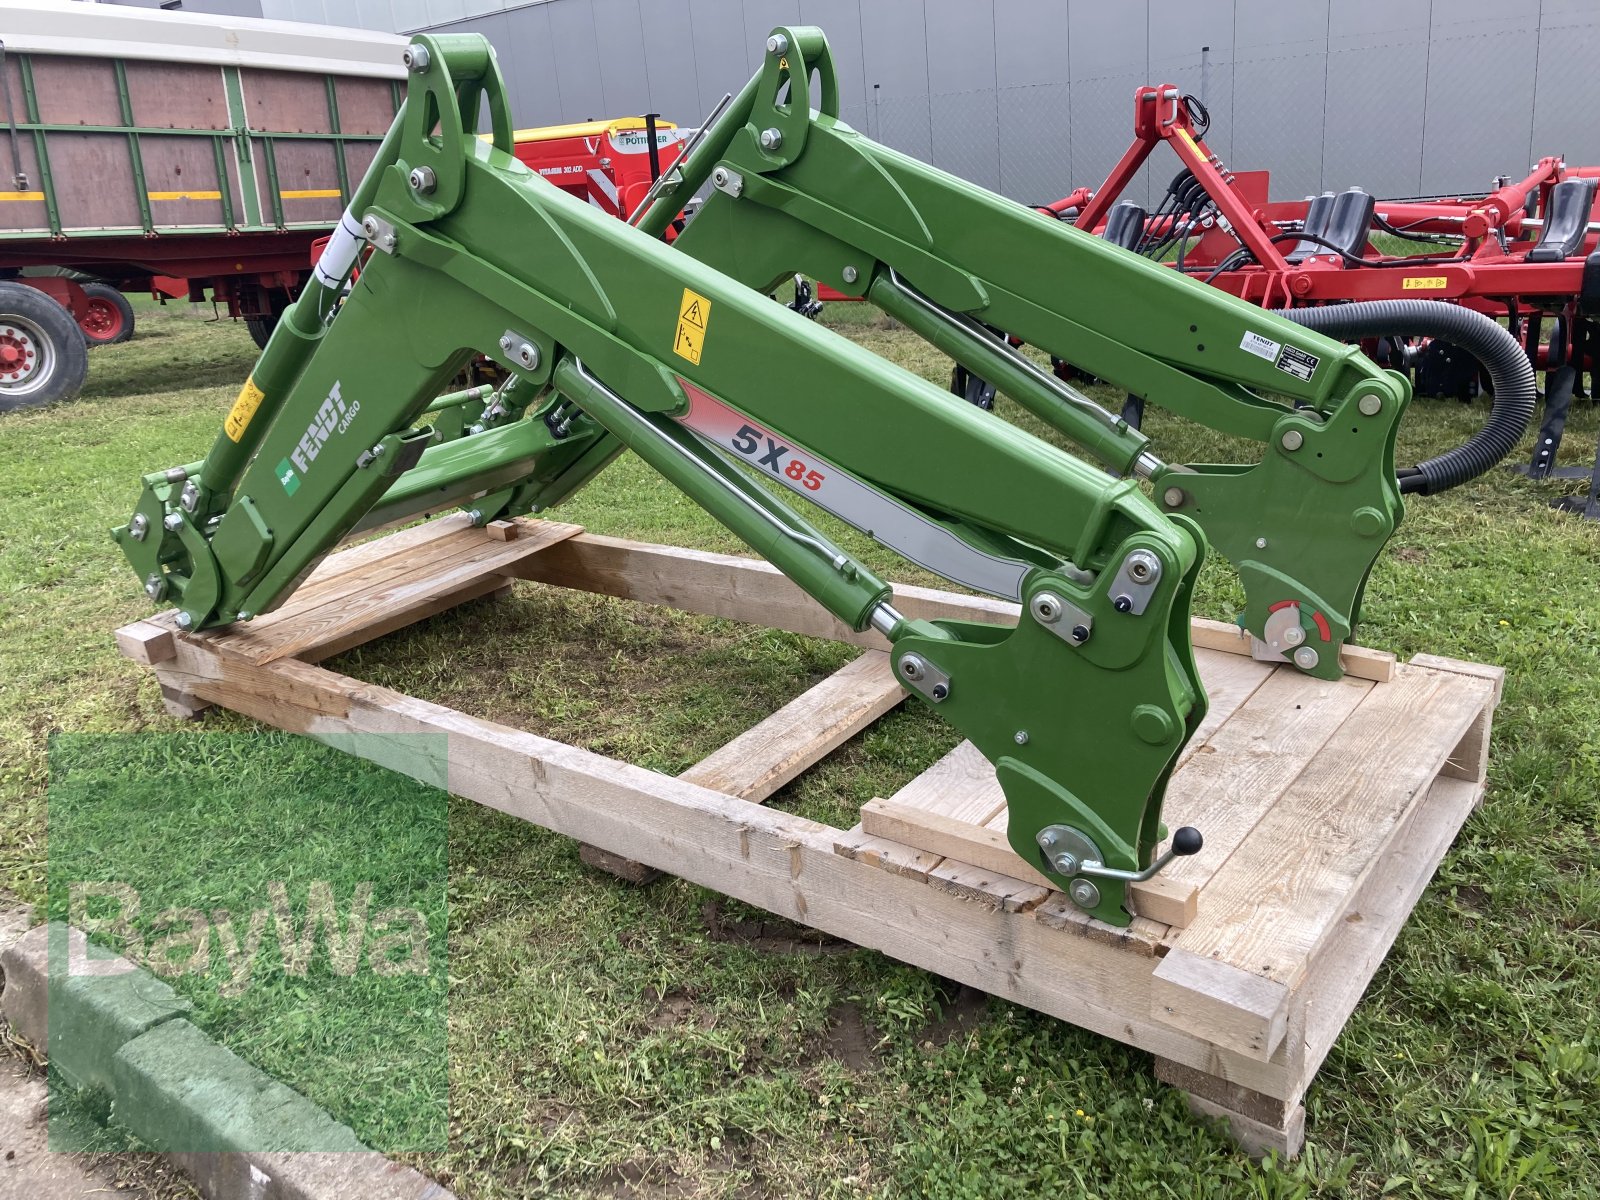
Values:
[(1468, 137), (526, 46), (577, 54), (1035, 96), (1568, 92), (624, 72), (670, 60), (894, 42), (720, 60), (1377, 92), (1108, 57), (1030, 42), (1278, 92)]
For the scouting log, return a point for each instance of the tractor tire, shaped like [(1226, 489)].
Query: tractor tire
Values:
[(107, 319), (43, 356), (261, 327)]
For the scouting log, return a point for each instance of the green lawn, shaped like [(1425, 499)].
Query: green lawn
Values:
[(609, 1041)]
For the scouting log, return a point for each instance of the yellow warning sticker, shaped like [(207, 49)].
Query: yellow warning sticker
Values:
[(693, 316), (1424, 283), (1188, 141), (250, 397)]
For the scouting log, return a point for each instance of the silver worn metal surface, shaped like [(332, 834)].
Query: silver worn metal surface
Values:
[(1306, 658), (1293, 440), (1069, 622), (521, 350), (422, 180), (728, 181), (1370, 406), (379, 232), (416, 58), (1282, 630), (1135, 582), (926, 677), (771, 139)]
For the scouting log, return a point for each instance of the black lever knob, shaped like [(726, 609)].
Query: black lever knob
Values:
[(1187, 841)]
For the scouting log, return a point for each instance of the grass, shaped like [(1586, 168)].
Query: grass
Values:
[(607, 1041)]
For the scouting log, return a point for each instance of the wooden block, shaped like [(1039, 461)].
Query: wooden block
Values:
[(976, 845), (1269, 1110), (961, 786), (146, 642), (1360, 661), (186, 706), (1256, 1138), (1221, 1003), (761, 760), (616, 864), (502, 531)]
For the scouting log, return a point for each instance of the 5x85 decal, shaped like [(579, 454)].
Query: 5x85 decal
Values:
[(881, 517)]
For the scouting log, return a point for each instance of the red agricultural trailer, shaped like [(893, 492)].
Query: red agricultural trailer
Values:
[(172, 153), (1525, 252)]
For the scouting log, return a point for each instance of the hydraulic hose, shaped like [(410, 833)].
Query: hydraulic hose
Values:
[(1510, 375)]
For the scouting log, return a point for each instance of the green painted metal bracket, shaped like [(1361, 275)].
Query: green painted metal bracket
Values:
[(797, 190), (618, 340)]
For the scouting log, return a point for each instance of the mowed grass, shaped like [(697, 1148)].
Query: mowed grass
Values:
[(612, 1041)]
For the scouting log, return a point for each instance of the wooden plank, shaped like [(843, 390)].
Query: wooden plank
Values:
[(761, 760), (1229, 680), (1249, 762), (1361, 661), (366, 603), (880, 852), (1283, 891), (1495, 675), (987, 887), (961, 786), (1345, 966), (1243, 1010), (772, 859)]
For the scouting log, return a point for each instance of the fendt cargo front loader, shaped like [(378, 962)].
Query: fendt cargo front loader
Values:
[(615, 340)]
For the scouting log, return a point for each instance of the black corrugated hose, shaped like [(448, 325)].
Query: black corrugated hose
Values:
[(1510, 374)]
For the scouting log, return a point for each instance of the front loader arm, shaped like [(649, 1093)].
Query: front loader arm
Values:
[(796, 190), (615, 339)]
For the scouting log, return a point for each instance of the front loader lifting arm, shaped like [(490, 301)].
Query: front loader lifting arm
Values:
[(796, 190), (615, 339)]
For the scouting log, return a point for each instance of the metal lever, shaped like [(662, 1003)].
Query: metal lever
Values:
[(1185, 841)]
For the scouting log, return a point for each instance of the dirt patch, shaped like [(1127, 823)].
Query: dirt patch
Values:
[(1410, 554), (770, 934), (959, 1015), (848, 1039), (676, 1009)]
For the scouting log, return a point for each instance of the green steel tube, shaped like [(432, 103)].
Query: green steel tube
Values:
[(450, 399), (694, 168), (1110, 439), (845, 588)]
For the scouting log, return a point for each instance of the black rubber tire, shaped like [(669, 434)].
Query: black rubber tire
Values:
[(54, 357), (261, 327), (120, 312)]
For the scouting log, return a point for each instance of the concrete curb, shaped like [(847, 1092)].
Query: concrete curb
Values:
[(117, 1028)]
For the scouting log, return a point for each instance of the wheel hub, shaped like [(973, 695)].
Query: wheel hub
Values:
[(19, 356), (99, 318)]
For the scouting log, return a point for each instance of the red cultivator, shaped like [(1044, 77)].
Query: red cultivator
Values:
[(1526, 252)]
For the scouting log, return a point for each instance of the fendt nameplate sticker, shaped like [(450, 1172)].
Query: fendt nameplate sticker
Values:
[(885, 520)]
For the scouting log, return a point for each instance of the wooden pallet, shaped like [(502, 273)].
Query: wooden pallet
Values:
[(1326, 806)]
